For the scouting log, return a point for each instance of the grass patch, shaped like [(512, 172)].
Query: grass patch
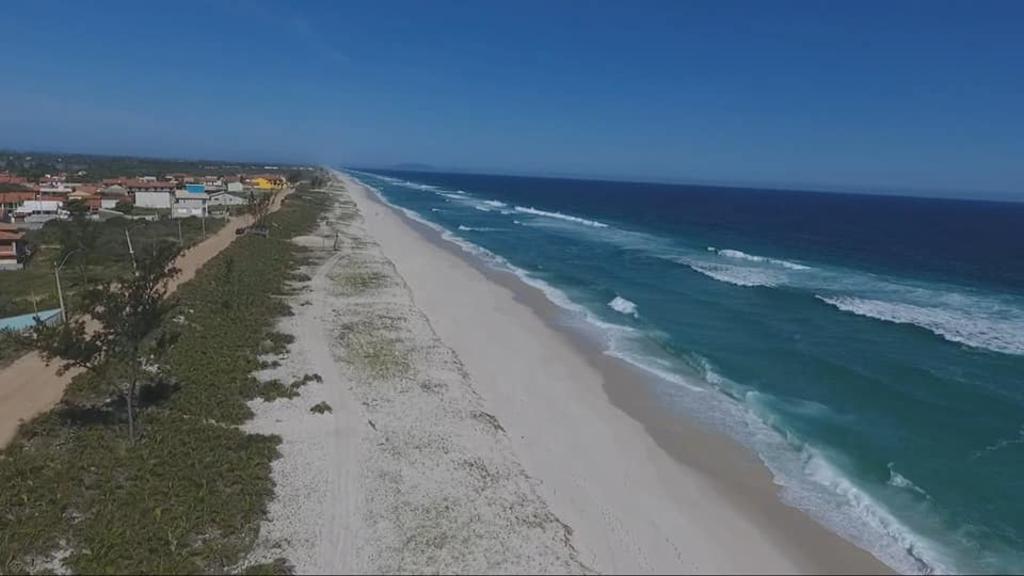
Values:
[(273, 389), (373, 347), (190, 495), (34, 287), (358, 281)]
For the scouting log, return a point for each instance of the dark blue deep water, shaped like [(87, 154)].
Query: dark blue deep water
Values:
[(870, 349)]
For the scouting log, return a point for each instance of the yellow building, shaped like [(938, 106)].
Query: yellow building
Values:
[(266, 182)]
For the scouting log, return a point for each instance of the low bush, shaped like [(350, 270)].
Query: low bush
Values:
[(321, 408)]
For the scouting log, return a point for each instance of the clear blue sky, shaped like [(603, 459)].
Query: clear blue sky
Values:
[(897, 95)]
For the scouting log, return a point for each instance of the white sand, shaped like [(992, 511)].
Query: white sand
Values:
[(409, 473)]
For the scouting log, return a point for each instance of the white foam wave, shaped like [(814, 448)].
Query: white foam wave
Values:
[(465, 228), (963, 326), (736, 254), (738, 275), (926, 556), (560, 216), (650, 364), (495, 203), (482, 208), (623, 306), (898, 480)]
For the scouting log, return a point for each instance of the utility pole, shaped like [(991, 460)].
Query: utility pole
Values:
[(60, 293), (130, 249), (180, 241)]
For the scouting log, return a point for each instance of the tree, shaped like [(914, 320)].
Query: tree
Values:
[(80, 235), (259, 206), (79, 209), (117, 339)]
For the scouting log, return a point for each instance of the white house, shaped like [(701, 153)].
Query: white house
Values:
[(111, 196), (154, 199), (190, 204), (41, 208), (225, 199)]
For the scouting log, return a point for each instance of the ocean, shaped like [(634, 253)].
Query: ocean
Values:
[(869, 349)]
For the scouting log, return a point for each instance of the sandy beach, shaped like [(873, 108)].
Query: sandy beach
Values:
[(469, 433)]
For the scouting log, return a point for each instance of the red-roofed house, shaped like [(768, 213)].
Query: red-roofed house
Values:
[(7, 178), (9, 201), (12, 247)]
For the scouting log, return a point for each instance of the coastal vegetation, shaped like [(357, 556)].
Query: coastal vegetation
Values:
[(113, 336), (97, 251), (189, 494)]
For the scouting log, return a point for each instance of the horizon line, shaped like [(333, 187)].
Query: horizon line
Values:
[(963, 195)]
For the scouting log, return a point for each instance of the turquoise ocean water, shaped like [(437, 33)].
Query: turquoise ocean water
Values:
[(869, 349)]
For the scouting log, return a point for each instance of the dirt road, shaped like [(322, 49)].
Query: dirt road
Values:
[(29, 386)]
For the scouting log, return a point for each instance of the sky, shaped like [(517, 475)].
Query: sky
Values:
[(918, 97)]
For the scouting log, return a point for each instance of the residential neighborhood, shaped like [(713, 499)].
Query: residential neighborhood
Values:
[(30, 198)]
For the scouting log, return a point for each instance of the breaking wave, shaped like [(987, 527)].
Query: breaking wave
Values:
[(730, 253), (560, 216), (737, 275), (898, 480), (623, 306), (1004, 335)]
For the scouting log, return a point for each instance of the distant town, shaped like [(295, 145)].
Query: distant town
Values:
[(39, 188)]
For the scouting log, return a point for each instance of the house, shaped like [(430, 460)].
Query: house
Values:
[(226, 199), (40, 211), (55, 189), (12, 247), (111, 196), (190, 204), (136, 186), (9, 201), (8, 178), (159, 199), (92, 201), (235, 188), (266, 182)]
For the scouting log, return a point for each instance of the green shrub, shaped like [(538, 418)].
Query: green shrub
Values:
[(321, 408)]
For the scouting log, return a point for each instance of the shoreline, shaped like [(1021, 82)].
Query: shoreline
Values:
[(688, 469)]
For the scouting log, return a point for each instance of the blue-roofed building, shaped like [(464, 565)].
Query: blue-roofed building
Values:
[(26, 321)]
